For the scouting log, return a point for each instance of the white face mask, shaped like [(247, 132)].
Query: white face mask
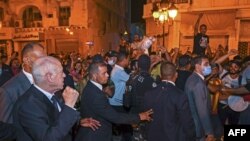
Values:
[(111, 62)]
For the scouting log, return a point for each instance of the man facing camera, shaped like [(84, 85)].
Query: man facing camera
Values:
[(38, 114), (94, 103)]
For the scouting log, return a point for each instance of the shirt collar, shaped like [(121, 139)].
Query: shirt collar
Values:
[(168, 81), (96, 84), (201, 76), (47, 94), (119, 67), (29, 76)]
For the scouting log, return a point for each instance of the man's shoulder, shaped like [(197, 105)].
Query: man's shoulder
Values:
[(91, 90), (20, 78), (193, 79), (155, 90), (25, 97)]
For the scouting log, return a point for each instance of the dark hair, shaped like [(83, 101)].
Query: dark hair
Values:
[(29, 47), (12, 60), (234, 62), (203, 25), (198, 59), (121, 56), (144, 62), (214, 65), (97, 58), (133, 63), (184, 60), (237, 57), (168, 69), (94, 67)]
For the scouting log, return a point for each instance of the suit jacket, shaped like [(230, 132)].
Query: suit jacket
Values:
[(172, 119), (6, 74), (9, 94), (38, 120), (200, 104), (7, 131), (94, 103)]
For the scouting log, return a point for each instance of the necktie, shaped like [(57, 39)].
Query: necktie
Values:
[(55, 103)]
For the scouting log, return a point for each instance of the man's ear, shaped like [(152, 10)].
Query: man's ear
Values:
[(94, 76), (49, 77), (176, 74), (26, 60)]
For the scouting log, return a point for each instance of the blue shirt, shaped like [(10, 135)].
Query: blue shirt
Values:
[(119, 77)]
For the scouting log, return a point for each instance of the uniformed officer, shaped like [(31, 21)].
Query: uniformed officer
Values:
[(139, 84)]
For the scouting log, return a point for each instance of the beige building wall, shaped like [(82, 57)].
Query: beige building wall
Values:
[(228, 23), (98, 21)]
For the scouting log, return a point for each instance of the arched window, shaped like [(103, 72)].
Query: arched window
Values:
[(32, 17)]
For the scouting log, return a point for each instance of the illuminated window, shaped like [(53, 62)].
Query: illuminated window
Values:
[(64, 14)]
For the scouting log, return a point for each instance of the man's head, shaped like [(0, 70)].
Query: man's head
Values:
[(98, 72), (112, 57), (14, 63), (136, 38), (30, 53), (122, 60), (48, 74), (203, 29), (185, 62), (234, 67), (215, 69), (168, 71), (202, 66), (97, 58), (144, 62), (4, 58)]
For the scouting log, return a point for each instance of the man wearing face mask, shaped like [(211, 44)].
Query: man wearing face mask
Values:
[(112, 57), (199, 99)]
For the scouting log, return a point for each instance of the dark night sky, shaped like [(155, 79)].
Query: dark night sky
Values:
[(137, 10)]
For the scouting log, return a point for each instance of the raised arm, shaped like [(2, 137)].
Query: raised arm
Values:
[(196, 26), (226, 56)]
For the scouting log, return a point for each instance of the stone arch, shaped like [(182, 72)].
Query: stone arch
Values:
[(31, 16)]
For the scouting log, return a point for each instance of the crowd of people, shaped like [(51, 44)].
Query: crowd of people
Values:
[(164, 96)]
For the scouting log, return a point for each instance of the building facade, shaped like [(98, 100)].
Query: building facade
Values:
[(84, 26), (228, 24)]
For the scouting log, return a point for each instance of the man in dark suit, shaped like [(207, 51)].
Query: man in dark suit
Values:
[(172, 116), (37, 114), (16, 86), (5, 72), (199, 99), (94, 103), (7, 132)]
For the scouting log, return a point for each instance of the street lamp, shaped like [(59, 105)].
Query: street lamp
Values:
[(162, 11)]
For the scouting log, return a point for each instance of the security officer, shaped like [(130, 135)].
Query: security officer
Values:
[(139, 84)]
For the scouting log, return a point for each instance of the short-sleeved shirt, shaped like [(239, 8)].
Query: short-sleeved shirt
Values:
[(200, 44), (119, 77)]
